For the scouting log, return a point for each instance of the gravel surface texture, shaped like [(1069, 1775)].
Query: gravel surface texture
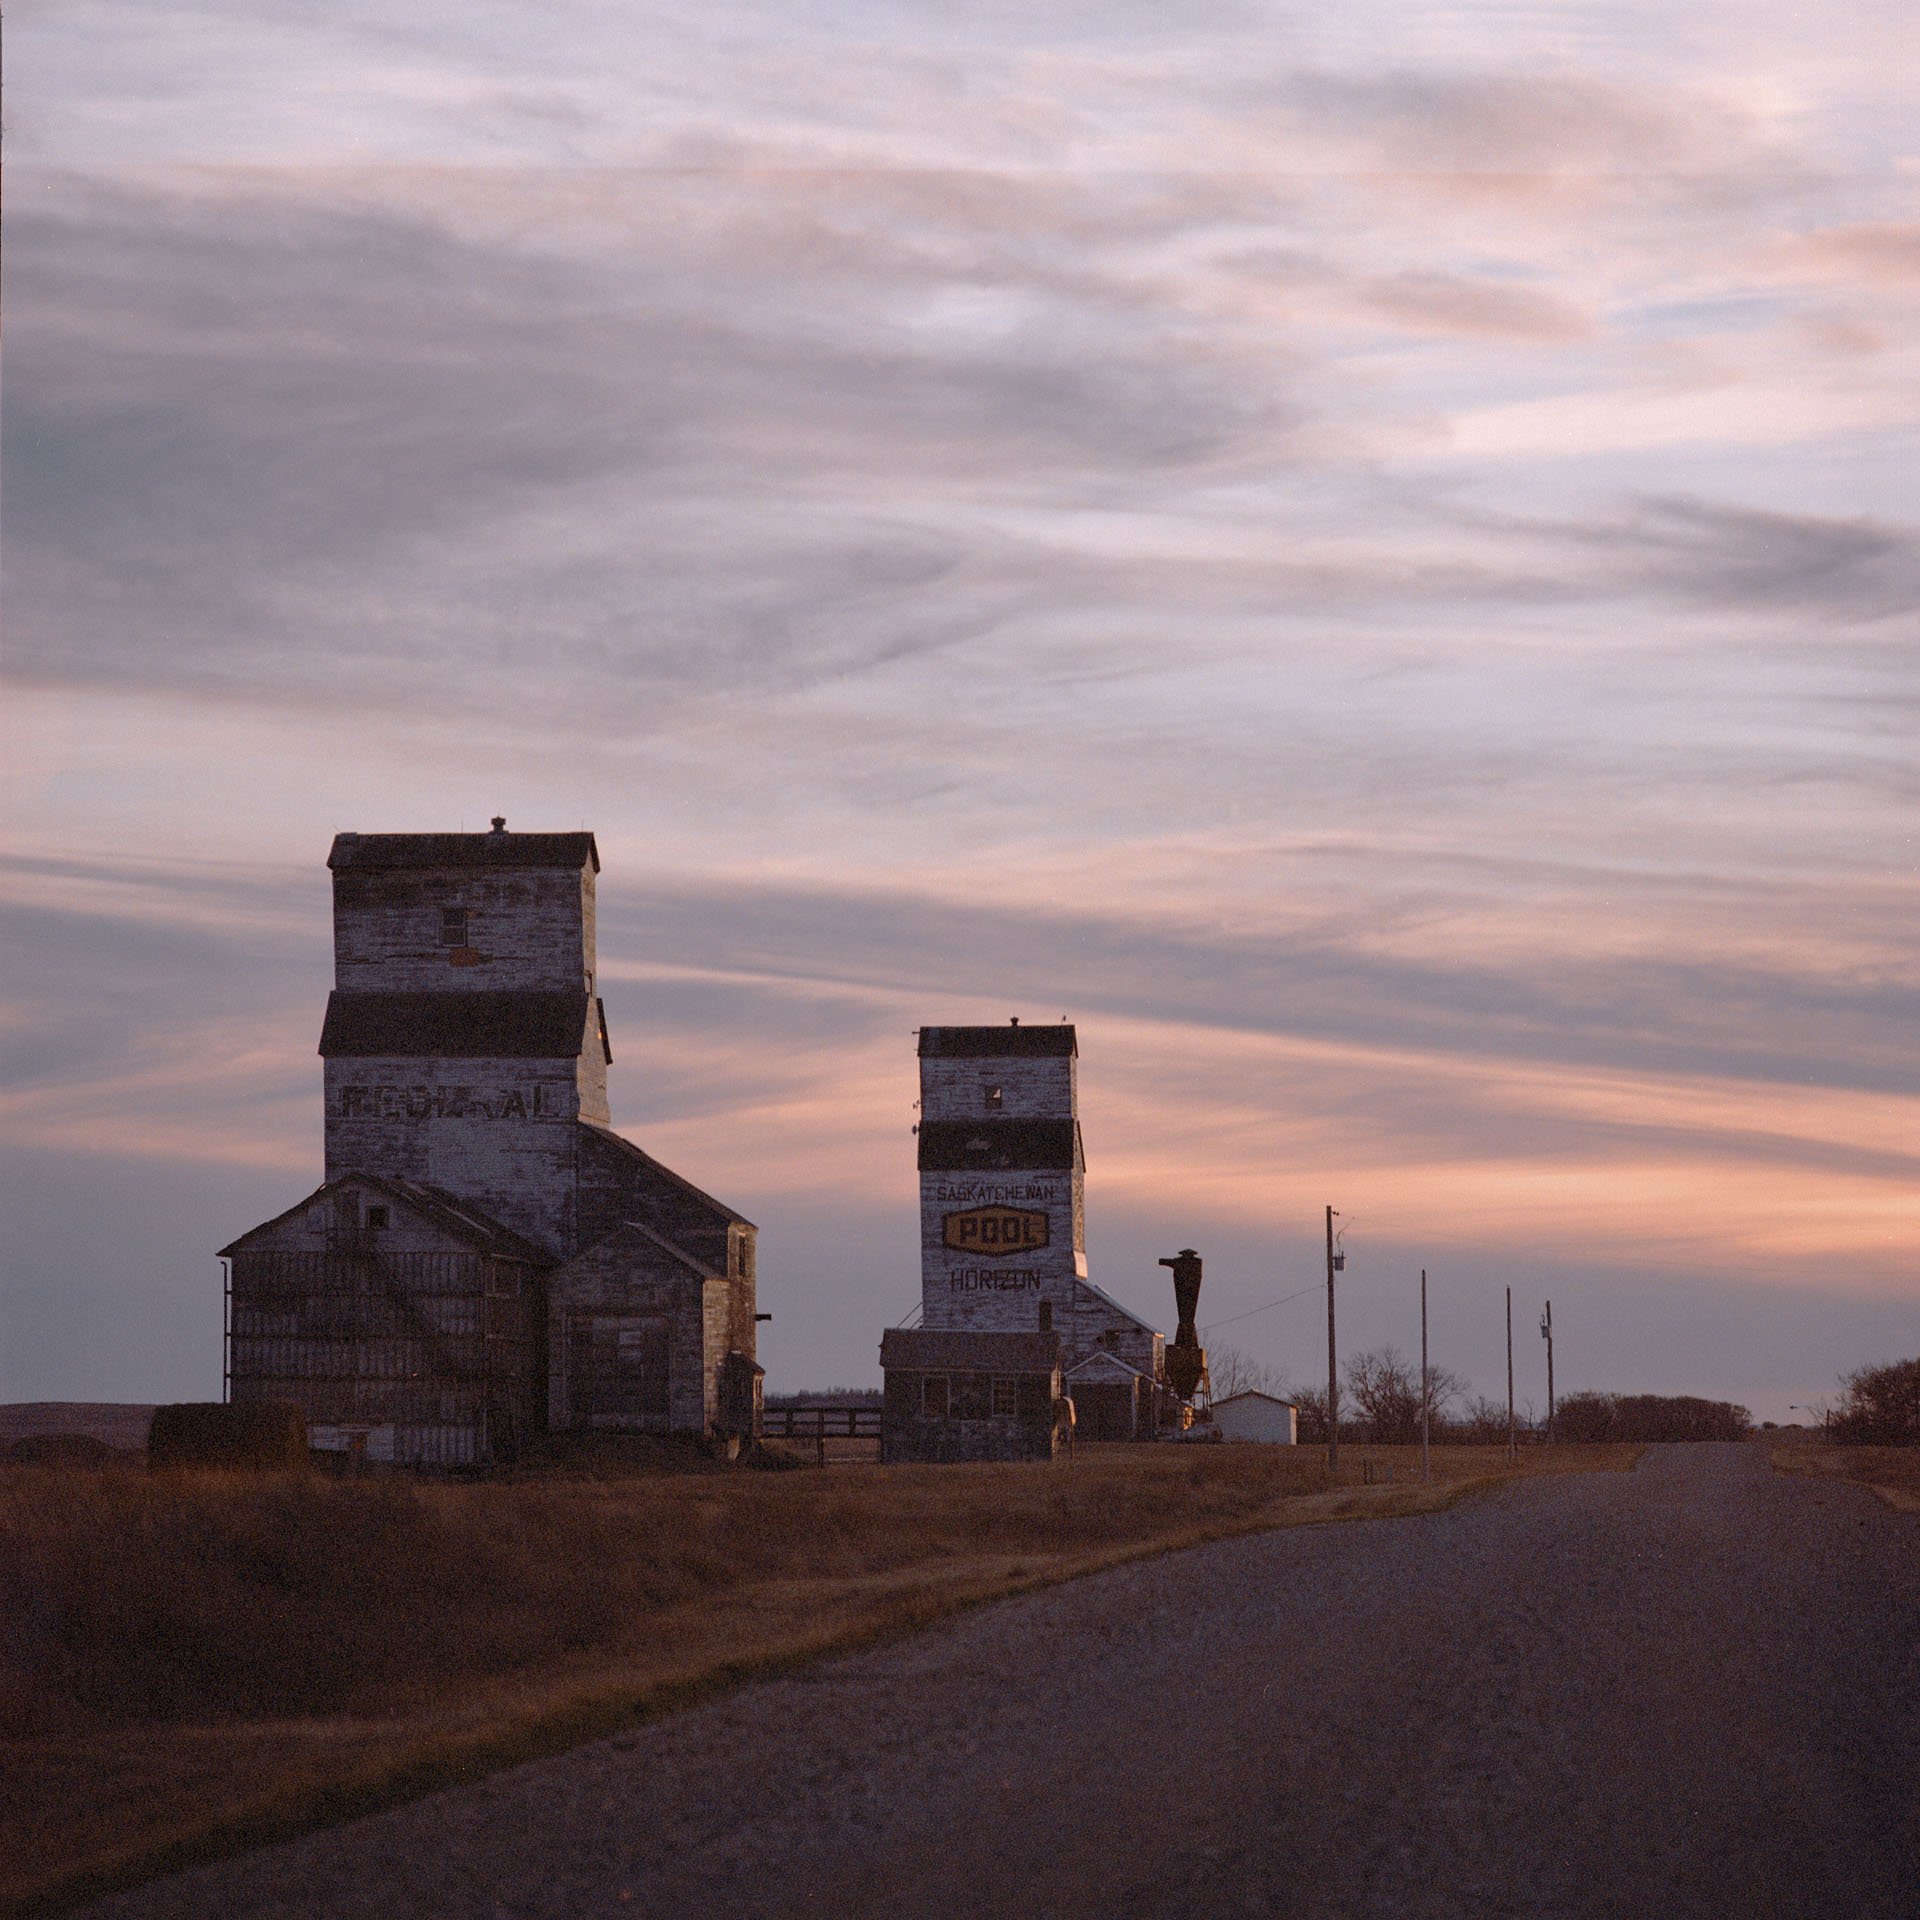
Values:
[(1693, 1690)]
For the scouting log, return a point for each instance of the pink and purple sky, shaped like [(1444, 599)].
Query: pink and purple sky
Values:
[(1370, 556)]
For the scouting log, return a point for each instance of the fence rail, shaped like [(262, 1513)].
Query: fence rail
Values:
[(820, 1423)]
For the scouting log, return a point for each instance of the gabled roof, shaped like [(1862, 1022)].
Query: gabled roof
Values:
[(957, 1351), (1253, 1393), (476, 1025), (636, 1231), (969, 1145), (497, 849), (1101, 1361), (458, 1218), (996, 1043), (646, 1163)]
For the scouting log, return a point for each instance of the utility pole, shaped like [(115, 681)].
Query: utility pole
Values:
[(1546, 1334), (1333, 1365), (1513, 1445), (1426, 1389)]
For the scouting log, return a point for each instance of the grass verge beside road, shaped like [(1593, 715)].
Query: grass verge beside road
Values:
[(1892, 1472), (198, 1663)]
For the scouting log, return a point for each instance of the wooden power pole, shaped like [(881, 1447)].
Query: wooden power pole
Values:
[(1333, 1365), (1426, 1389), (1513, 1445), (1546, 1334)]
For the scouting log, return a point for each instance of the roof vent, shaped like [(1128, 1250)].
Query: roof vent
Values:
[(499, 823)]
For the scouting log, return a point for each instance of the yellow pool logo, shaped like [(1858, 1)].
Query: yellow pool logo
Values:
[(995, 1230)]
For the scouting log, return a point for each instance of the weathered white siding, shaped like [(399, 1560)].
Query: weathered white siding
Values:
[(989, 1291), (500, 1130), (997, 1245), (1256, 1416), (528, 928), (626, 1281), (1030, 1089)]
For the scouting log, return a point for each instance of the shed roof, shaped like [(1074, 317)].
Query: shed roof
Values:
[(641, 1162), (1107, 1300), (996, 1043), (475, 1025), (958, 1351), (496, 849), (1043, 1145), (458, 1218)]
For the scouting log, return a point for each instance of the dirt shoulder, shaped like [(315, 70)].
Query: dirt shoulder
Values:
[(1892, 1472), (223, 1660)]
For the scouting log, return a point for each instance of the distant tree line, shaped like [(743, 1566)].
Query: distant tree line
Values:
[(1879, 1407), (1648, 1417), (1380, 1398), (1380, 1402), (828, 1397)]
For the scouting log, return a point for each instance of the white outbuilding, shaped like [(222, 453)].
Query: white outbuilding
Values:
[(1257, 1416)]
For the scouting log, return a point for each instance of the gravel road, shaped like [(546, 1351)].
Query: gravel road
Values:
[(1689, 1691)]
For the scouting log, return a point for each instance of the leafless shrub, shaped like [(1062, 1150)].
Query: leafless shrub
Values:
[(1880, 1406), (1482, 1422)]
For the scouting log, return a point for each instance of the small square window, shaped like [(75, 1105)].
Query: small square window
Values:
[(453, 926), (993, 1099), (377, 1217)]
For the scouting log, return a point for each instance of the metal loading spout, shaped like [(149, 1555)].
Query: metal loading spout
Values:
[(1186, 1358)]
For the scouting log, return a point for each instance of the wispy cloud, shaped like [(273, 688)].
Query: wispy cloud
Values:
[(1369, 558)]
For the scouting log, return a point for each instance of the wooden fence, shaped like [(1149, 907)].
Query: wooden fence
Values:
[(820, 1423)]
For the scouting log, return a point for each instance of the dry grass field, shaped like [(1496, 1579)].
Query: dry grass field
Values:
[(1892, 1472), (198, 1662)]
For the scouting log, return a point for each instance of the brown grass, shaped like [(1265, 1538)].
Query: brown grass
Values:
[(1892, 1472), (198, 1662)]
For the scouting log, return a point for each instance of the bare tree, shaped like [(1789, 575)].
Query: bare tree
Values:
[(1311, 1405), (1386, 1389), (1234, 1370), (1484, 1421)]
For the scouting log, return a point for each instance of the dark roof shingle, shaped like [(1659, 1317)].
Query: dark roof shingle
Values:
[(954, 1351), (463, 850), (452, 1215), (996, 1043), (979, 1144), (457, 1026)]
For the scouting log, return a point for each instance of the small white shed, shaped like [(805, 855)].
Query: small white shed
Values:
[(1257, 1416)]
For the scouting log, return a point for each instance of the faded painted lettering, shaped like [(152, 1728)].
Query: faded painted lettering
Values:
[(997, 1231), (381, 1102)]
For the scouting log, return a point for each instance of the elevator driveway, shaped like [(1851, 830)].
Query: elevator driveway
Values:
[(1693, 1690)]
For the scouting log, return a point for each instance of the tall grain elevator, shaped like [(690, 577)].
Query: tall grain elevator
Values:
[(486, 1259)]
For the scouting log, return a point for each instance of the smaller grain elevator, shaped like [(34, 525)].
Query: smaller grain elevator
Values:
[(1003, 1227)]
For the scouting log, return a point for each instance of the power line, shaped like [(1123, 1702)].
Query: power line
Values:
[(1251, 1311)]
